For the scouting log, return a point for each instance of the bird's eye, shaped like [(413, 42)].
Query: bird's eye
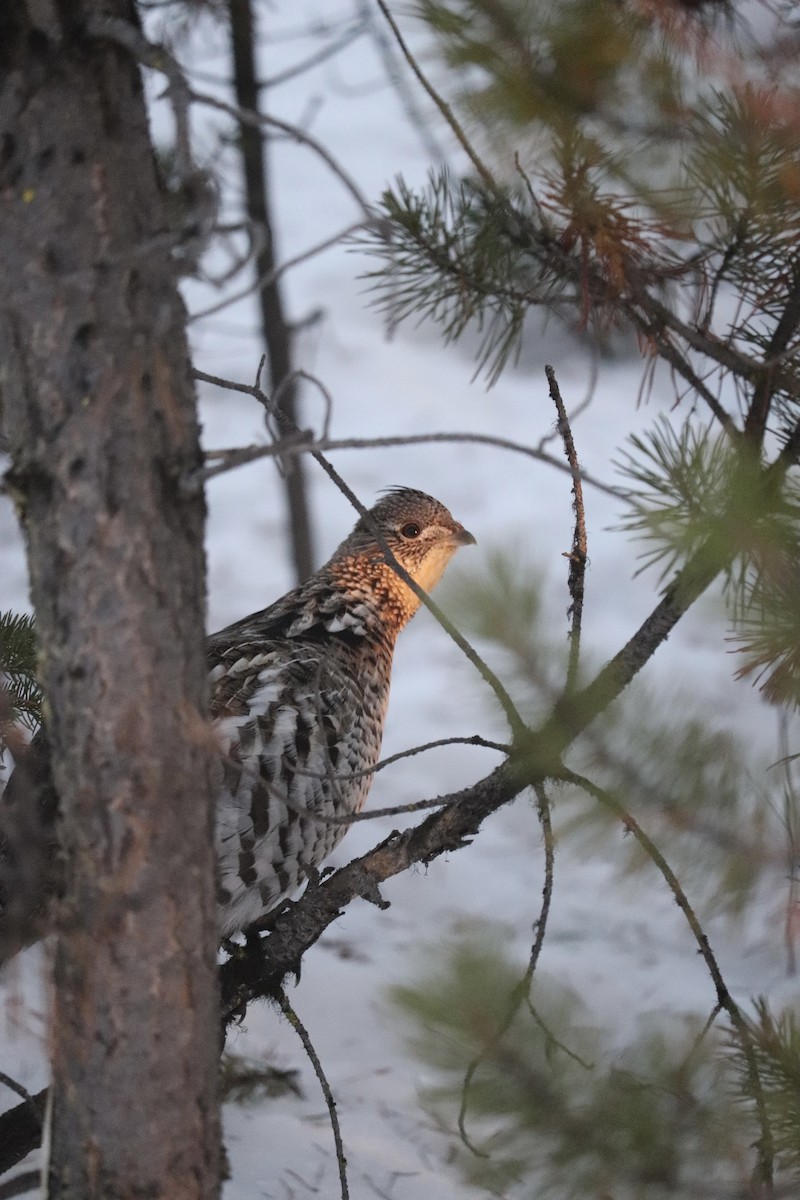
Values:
[(410, 530)]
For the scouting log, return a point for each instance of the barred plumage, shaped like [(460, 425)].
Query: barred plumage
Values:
[(298, 697)]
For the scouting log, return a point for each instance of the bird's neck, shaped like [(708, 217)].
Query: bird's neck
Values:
[(371, 586)]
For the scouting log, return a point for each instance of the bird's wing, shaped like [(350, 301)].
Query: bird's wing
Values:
[(288, 719), (314, 613)]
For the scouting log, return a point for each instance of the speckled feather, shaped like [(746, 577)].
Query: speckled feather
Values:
[(299, 695)]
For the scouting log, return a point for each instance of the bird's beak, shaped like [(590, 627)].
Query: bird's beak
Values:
[(462, 537)]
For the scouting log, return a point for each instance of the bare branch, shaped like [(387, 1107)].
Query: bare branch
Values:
[(158, 58), (301, 444), (301, 1031), (394, 73), (554, 1041), (475, 740), (766, 1149), (13, 1086), (349, 35), (522, 991), (443, 106), (275, 274), (247, 117), (577, 557), (679, 363), (573, 713)]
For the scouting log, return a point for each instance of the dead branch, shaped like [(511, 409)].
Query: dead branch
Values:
[(275, 273), (577, 556), (765, 1145), (444, 108), (301, 1031), (246, 117), (522, 991), (302, 443)]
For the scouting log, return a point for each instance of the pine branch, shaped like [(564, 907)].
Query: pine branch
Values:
[(18, 672), (745, 1041), (775, 1043)]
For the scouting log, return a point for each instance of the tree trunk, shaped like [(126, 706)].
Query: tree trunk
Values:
[(274, 327), (101, 420)]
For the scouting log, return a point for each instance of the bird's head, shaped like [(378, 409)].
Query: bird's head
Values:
[(421, 534)]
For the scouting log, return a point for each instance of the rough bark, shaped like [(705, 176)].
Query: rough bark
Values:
[(274, 326), (101, 421)]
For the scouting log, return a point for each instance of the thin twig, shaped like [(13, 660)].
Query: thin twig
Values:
[(766, 1148), (707, 1024), (594, 375), (721, 352), (247, 117), (443, 106), (345, 39), (474, 740), (158, 58), (301, 1031), (670, 353), (521, 992), (393, 71), (553, 1040), (275, 274), (241, 455), (373, 814), (755, 424), (577, 556)]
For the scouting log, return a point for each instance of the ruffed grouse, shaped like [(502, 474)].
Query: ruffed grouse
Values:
[(298, 696)]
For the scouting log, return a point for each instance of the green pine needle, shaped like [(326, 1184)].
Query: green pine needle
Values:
[(18, 670)]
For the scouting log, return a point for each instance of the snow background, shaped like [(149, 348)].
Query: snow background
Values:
[(624, 943)]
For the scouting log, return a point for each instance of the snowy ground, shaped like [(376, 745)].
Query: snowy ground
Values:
[(627, 941)]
